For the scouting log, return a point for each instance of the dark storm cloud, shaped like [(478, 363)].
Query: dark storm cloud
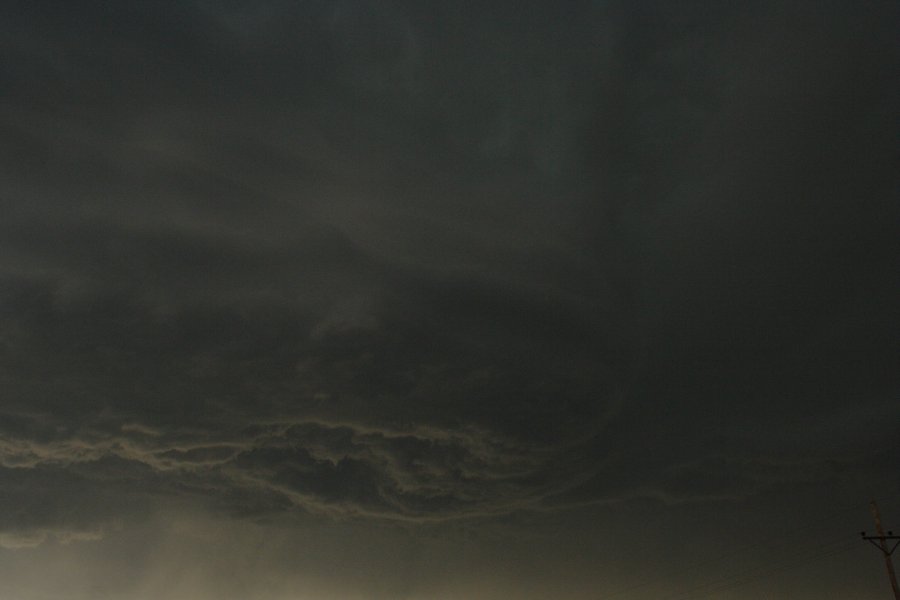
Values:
[(333, 468), (421, 263)]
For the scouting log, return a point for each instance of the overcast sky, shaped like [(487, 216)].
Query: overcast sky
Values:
[(408, 300)]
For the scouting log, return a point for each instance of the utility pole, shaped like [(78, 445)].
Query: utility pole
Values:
[(880, 541)]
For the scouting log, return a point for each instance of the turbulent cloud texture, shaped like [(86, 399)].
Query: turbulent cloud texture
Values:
[(415, 262)]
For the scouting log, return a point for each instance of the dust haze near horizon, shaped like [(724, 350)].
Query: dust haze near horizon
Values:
[(413, 300)]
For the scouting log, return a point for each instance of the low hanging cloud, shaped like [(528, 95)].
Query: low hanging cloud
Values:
[(337, 469)]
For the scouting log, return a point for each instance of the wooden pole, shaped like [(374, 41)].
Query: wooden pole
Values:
[(882, 543)]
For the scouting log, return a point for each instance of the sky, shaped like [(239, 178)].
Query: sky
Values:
[(415, 300)]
